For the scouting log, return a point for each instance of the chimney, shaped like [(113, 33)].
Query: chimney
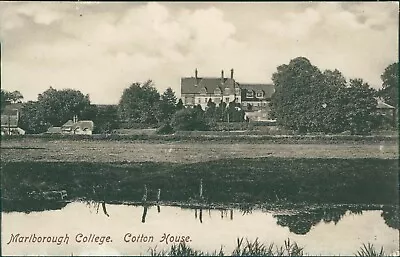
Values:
[(196, 77), (222, 76), (231, 73)]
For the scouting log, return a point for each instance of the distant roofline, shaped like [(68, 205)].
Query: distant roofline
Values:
[(256, 84), (206, 78)]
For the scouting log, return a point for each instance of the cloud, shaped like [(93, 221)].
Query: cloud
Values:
[(101, 48), (294, 25)]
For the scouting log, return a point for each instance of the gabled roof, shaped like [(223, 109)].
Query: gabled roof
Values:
[(269, 89), (69, 123), (84, 124), (188, 85), (54, 130)]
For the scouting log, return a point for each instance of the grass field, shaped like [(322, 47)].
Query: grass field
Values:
[(34, 149), (115, 170)]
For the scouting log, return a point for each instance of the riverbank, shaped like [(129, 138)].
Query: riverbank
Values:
[(241, 180)]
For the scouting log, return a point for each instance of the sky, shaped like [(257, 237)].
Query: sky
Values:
[(102, 48)]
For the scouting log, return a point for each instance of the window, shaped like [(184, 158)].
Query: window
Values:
[(217, 91), (205, 100), (249, 94), (237, 99), (199, 100), (203, 91), (259, 94), (226, 99)]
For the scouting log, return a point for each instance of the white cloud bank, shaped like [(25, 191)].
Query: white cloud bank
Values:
[(101, 48)]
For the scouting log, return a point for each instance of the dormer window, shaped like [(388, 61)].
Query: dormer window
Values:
[(260, 94), (203, 91), (227, 91), (217, 91), (249, 94)]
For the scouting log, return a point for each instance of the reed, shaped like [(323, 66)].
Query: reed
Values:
[(370, 250), (246, 247)]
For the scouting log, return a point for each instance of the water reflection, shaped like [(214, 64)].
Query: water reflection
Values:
[(144, 213), (391, 217), (30, 205), (301, 222), (271, 225)]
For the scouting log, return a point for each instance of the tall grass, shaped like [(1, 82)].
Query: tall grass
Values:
[(246, 247), (243, 248), (369, 250), (256, 248)]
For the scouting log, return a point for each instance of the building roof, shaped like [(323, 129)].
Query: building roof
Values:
[(269, 89), (69, 123), (190, 85), (54, 130), (84, 124), (12, 107)]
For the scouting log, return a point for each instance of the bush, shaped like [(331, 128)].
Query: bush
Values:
[(166, 128), (189, 119)]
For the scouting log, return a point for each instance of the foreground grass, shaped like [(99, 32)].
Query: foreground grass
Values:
[(255, 248)]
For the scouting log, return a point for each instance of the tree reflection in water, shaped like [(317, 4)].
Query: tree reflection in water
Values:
[(391, 216), (246, 209), (301, 222), (145, 207), (93, 205)]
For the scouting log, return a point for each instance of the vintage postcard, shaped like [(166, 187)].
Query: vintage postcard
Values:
[(199, 128)]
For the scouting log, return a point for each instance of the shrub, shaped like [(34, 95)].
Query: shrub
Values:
[(189, 119), (166, 128)]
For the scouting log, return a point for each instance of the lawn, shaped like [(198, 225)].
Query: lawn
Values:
[(46, 150), (230, 172)]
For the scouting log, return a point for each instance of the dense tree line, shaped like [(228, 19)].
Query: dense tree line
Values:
[(309, 100), (306, 99)]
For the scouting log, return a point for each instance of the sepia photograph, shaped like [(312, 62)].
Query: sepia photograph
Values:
[(199, 128)]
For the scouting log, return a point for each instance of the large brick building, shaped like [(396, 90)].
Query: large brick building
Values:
[(198, 90)]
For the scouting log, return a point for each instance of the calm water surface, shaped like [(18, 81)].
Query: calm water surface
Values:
[(320, 232)]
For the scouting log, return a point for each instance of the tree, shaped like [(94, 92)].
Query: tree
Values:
[(390, 85), (359, 107), (139, 103), (167, 105), (211, 110), (104, 117), (221, 112), (10, 98), (3, 100), (179, 105), (31, 118), (308, 100), (58, 106), (15, 96), (189, 119), (296, 98), (234, 112)]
